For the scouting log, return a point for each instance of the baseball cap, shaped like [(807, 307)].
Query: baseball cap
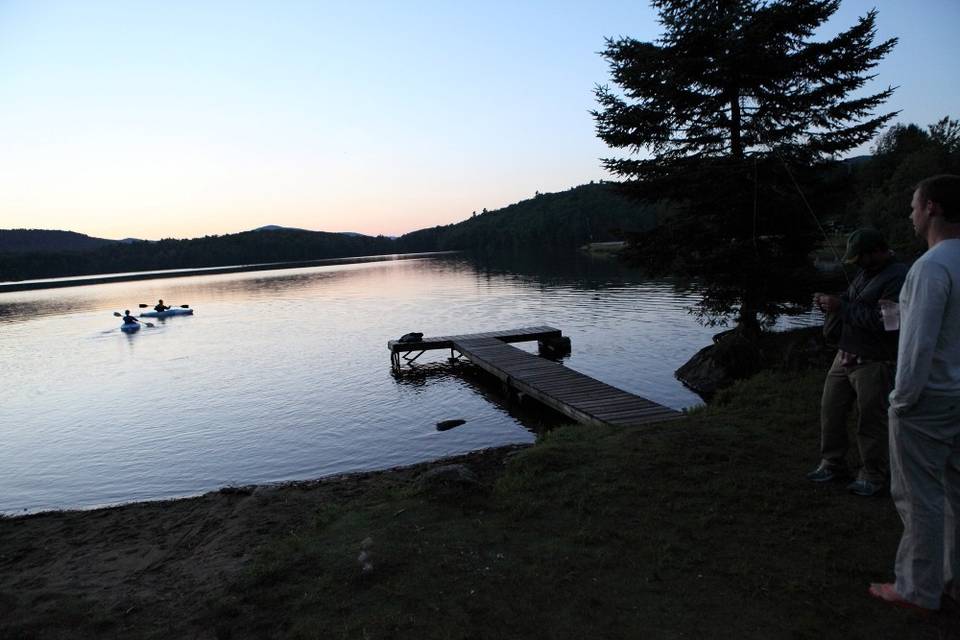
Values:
[(863, 241)]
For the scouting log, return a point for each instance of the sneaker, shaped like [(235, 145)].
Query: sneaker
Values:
[(826, 473), (865, 488)]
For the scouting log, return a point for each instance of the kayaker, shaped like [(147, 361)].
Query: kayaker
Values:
[(160, 308), (129, 319)]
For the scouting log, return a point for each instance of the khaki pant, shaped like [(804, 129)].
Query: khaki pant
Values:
[(925, 485), (868, 385)]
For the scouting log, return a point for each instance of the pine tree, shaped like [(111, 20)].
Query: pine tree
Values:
[(737, 108)]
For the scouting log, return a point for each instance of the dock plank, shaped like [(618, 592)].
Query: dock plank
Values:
[(573, 394)]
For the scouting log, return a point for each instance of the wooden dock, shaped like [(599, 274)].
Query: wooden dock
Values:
[(569, 392)]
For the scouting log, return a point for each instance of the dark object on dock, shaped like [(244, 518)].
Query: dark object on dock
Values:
[(445, 425), (411, 337), (573, 394), (555, 347)]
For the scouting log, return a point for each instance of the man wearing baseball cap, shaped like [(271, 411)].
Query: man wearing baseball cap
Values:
[(862, 371)]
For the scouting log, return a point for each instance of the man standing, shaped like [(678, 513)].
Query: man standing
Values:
[(862, 371), (925, 407)]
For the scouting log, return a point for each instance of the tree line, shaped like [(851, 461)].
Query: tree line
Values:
[(210, 251), (880, 188), (546, 223), (552, 222)]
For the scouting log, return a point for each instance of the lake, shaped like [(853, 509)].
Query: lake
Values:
[(284, 374)]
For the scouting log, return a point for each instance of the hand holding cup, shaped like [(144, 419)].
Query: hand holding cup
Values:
[(890, 312)]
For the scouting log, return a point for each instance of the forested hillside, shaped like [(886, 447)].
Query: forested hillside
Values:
[(210, 251), (28, 240), (547, 222)]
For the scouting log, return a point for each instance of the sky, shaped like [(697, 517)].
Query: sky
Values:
[(185, 118)]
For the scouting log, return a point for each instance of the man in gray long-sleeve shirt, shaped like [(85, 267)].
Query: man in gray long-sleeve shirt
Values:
[(925, 408)]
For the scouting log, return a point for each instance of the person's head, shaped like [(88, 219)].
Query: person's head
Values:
[(935, 204), (867, 248), (126, 312), (160, 301)]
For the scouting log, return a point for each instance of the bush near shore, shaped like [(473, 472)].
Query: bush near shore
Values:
[(701, 529)]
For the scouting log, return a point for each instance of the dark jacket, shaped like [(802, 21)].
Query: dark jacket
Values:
[(863, 332)]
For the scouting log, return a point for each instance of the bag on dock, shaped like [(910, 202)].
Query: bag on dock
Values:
[(411, 337)]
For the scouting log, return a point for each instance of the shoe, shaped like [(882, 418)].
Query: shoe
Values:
[(865, 488), (885, 592), (826, 473)]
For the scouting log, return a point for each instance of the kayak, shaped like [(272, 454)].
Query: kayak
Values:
[(130, 327), (175, 311)]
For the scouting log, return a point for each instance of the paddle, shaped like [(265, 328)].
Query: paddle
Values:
[(144, 306), (120, 315)]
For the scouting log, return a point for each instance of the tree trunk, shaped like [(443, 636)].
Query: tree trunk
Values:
[(736, 144)]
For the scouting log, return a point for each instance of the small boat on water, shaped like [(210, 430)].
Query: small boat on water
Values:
[(130, 327), (173, 311)]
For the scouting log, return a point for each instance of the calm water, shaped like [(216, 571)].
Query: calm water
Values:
[(285, 374)]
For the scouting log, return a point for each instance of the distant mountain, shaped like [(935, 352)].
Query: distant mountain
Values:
[(274, 227), (857, 160), (249, 247), (45, 240)]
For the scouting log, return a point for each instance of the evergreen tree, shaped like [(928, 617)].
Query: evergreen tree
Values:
[(736, 106)]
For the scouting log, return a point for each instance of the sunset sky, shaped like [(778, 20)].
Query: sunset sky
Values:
[(184, 118)]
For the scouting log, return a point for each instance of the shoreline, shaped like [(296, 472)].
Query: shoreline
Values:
[(79, 281), (145, 564), (700, 528), (281, 485)]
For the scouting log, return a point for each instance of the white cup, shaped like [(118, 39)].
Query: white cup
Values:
[(890, 311)]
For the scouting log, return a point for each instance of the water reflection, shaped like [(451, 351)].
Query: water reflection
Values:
[(285, 374), (21, 306), (535, 416), (13, 310)]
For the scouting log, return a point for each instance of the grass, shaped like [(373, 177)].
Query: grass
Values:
[(702, 529)]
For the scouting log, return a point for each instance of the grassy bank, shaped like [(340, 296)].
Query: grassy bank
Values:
[(702, 529)]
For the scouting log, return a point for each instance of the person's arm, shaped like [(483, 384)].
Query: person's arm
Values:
[(891, 289), (926, 294), (831, 303), (867, 315)]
